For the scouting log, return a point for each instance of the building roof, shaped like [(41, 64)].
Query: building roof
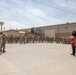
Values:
[(11, 30)]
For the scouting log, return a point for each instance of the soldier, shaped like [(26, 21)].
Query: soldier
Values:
[(3, 43), (73, 42), (0, 40), (20, 39)]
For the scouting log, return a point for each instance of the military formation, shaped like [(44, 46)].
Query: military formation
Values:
[(23, 39)]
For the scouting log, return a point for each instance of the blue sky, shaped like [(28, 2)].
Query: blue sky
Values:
[(22, 14)]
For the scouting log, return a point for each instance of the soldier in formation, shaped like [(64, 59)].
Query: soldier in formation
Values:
[(23, 39), (2, 42)]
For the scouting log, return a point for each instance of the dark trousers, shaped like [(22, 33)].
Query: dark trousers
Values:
[(73, 50)]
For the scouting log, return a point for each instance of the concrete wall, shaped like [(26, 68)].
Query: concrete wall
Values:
[(61, 29), (50, 33)]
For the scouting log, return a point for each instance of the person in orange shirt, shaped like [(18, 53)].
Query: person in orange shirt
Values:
[(73, 42), (73, 45)]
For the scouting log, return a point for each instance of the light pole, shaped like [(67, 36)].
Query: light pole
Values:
[(1, 23)]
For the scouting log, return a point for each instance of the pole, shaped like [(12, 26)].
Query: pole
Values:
[(1, 28), (1, 23)]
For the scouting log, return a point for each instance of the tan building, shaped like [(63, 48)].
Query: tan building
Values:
[(59, 30), (55, 30), (50, 30), (13, 32)]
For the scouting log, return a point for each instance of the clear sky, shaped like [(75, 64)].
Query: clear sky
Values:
[(21, 14)]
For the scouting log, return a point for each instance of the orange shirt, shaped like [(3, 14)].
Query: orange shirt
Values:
[(73, 41)]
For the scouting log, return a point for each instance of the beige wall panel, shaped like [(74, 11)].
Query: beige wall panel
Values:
[(50, 33)]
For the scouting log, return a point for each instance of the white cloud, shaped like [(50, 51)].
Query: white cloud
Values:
[(71, 4), (38, 17), (36, 12), (18, 2), (35, 16), (21, 14), (14, 25)]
